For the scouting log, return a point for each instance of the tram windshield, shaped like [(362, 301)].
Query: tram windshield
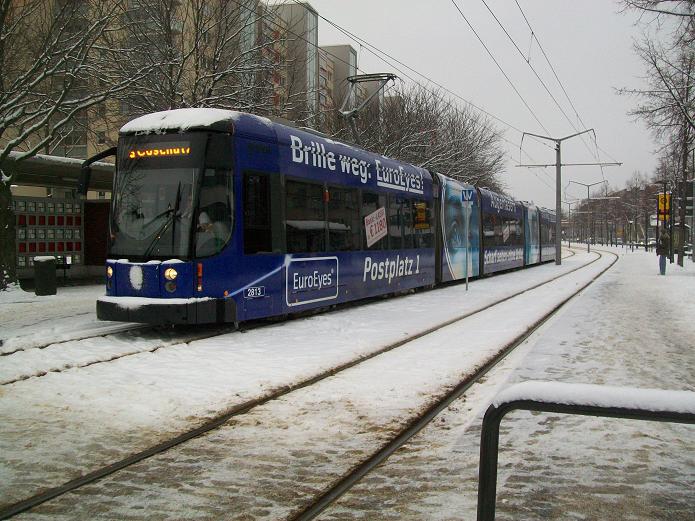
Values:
[(157, 189), (153, 212)]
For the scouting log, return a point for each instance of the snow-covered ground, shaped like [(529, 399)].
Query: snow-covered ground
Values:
[(266, 464), (27, 320), (631, 328), (62, 425)]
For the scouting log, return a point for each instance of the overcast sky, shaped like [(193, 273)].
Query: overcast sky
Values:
[(589, 43)]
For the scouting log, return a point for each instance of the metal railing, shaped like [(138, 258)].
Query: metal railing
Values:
[(654, 410)]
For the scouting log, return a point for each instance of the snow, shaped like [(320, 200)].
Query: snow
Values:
[(137, 302), (599, 396), (55, 160), (27, 320), (183, 119), (44, 258), (135, 276), (267, 463), (148, 263), (630, 328)]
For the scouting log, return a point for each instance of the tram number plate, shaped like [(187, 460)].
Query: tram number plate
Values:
[(254, 292)]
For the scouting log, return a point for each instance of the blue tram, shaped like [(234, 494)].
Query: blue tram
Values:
[(221, 216)]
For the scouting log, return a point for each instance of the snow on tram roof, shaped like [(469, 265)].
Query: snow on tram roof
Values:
[(185, 119)]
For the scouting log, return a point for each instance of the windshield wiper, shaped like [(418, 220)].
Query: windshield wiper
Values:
[(159, 215), (173, 216), (177, 204)]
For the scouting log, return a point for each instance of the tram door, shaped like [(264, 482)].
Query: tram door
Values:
[(262, 244)]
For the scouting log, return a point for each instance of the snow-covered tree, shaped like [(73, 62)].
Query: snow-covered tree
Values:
[(48, 77), (423, 128)]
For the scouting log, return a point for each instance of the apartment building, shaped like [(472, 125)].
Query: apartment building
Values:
[(302, 103), (344, 59)]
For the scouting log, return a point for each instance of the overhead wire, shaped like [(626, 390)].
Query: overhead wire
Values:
[(595, 153), (535, 72), (379, 54), (534, 36), (375, 51), (511, 83)]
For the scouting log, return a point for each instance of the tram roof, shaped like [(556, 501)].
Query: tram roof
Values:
[(183, 120), (238, 123)]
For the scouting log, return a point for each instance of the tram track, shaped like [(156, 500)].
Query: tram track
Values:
[(248, 406), (184, 339), (123, 329), (421, 421), (101, 332)]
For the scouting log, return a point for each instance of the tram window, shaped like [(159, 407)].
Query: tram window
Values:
[(257, 230), (214, 221), (499, 231), (371, 202), (400, 220), (305, 219), (422, 215), (343, 219)]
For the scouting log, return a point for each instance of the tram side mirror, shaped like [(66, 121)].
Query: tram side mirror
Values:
[(86, 170)]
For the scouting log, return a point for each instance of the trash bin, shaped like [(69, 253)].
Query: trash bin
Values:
[(45, 275)]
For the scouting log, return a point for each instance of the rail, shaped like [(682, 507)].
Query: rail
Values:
[(583, 399)]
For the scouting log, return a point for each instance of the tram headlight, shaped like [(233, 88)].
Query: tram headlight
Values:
[(109, 271), (170, 274)]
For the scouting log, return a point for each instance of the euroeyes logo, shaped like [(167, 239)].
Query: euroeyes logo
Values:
[(312, 279)]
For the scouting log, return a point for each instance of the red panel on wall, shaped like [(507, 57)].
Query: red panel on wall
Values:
[(51, 220), (32, 220), (22, 220), (42, 247), (68, 246), (78, 246), (78, 220), (22, 247), (51, 246), (32, 247), (68, 220), (61, 246), (42, 220), (61, 220)]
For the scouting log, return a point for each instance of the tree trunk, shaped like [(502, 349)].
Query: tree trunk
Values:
[(8, 269)]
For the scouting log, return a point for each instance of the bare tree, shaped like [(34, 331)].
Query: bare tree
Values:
[(667, 105), (47, 79), (422, 127), (199, 53)]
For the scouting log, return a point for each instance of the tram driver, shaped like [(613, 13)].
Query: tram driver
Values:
[(213, 227)]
